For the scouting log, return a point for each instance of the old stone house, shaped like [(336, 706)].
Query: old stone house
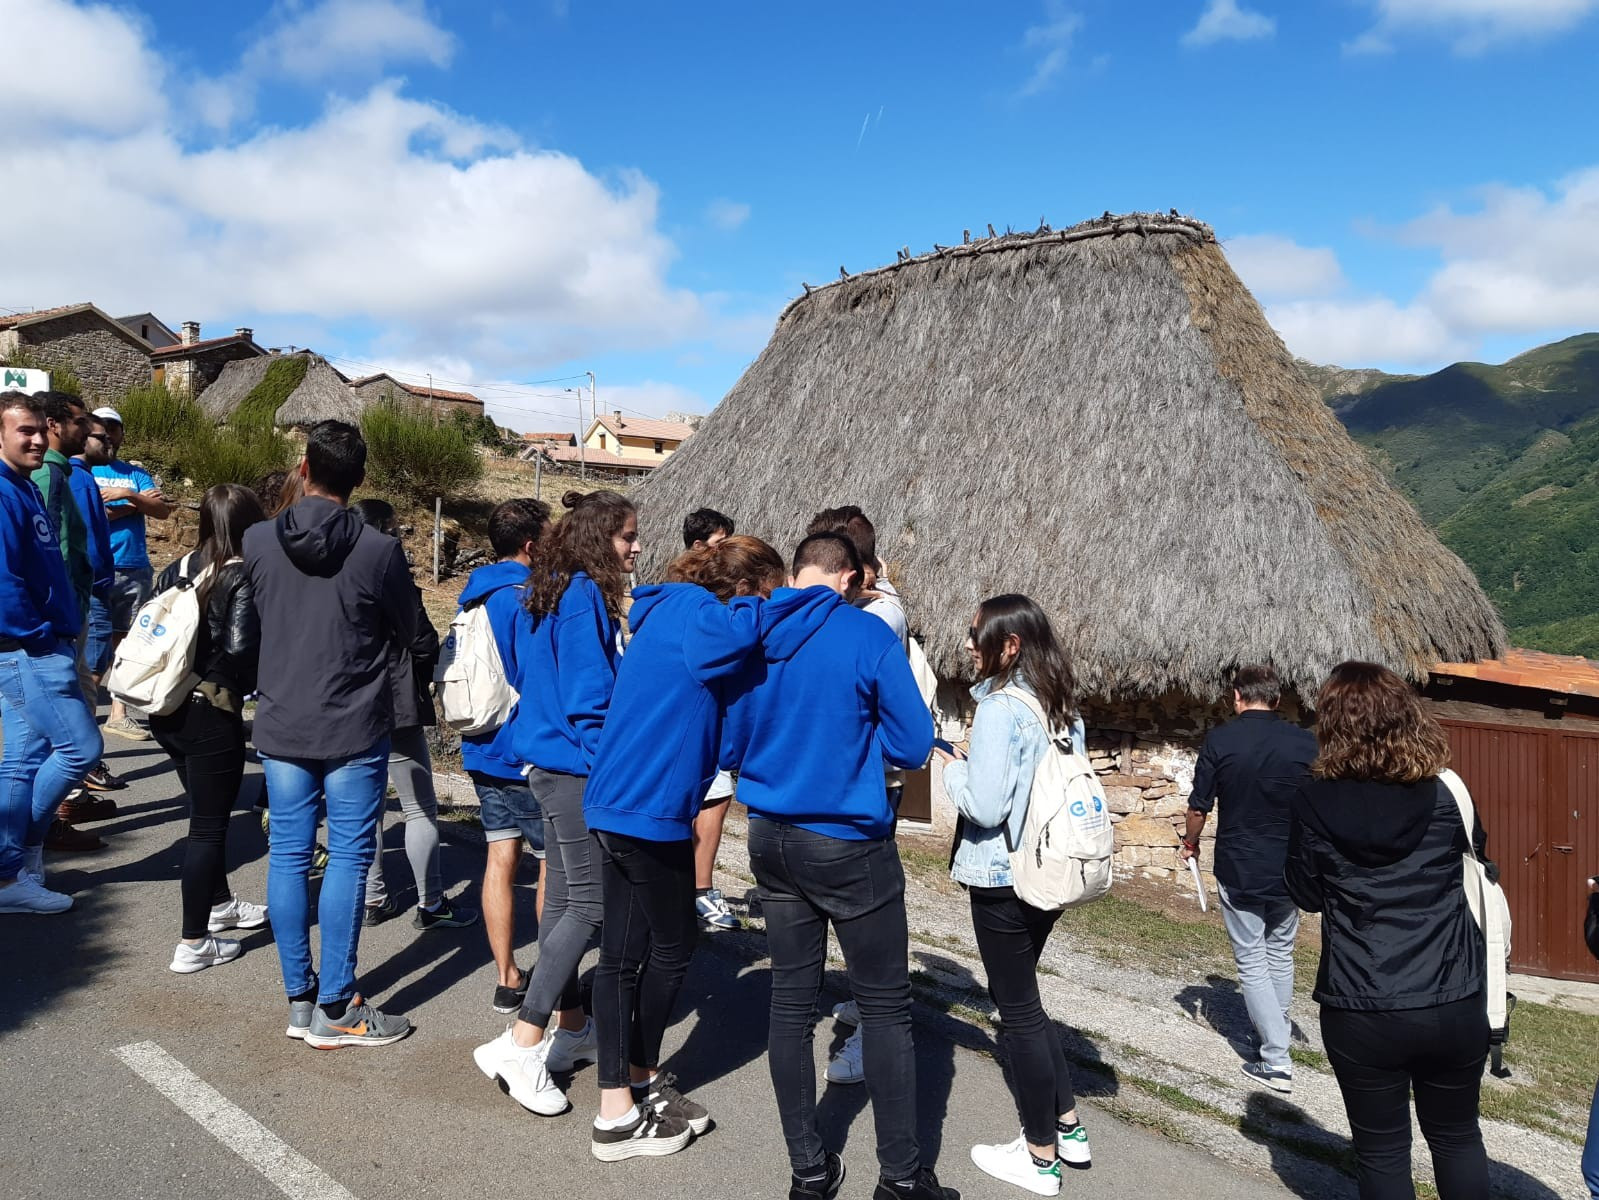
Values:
[(191, 364), (372, 388), (108, 358)]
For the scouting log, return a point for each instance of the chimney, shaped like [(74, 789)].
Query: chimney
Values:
[(616, 415), (244, 331), (191, 333)]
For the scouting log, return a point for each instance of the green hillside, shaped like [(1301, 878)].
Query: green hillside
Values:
[(1504, 462)]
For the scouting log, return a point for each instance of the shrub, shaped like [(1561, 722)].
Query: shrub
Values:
[(167, 431), (160, 425), (410, 455), (231, 455)]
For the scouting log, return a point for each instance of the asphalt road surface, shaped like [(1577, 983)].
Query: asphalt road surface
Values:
[(121, 1079)]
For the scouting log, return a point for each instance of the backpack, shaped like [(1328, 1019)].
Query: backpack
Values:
[(1491, 911), (153, 671), (1063, 857), (474, 694)]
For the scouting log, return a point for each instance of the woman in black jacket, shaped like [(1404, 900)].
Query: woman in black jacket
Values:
[(410, 766), (205, 735), (1376, 846)]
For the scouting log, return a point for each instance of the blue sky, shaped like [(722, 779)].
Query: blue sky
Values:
[(510, 195)]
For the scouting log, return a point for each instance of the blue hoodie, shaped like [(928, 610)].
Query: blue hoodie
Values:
[(565, 681), (498, 586), (658, 751), (87, 493), (831, 702), (37, 604)]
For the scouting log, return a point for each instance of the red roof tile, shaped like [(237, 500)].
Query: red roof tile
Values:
[(645, 427), (178, 348), (1566, 674), (12, 320)]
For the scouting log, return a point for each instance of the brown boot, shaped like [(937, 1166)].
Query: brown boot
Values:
[(84, 807), (64, 839)]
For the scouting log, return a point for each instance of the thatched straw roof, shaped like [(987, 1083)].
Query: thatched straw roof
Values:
[(322, 395), (1101, 418)]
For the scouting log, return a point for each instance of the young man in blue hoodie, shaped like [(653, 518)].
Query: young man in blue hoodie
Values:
[(51, 740), (509, 813), (831, 702)]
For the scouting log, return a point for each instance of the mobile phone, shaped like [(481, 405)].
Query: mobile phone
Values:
[(941, 744)]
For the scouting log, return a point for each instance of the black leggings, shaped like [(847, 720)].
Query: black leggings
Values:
[(1010, 939), (1378, 1057), (646, 943), (207, 748)]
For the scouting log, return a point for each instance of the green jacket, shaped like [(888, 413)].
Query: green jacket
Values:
[(54, 481)]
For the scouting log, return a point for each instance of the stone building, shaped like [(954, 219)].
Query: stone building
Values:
[(1102, 419), (108, 358), (383, 386), (191, 364)]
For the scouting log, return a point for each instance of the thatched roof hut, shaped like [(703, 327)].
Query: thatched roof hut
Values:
[(322, 394), (1099, 417)]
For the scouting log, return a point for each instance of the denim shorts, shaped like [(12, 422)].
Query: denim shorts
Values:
[(129, 591), (508, 810)]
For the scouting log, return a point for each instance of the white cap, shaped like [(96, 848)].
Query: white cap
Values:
[(108, 414)]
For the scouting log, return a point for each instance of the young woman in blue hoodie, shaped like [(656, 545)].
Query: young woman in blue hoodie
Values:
[(574, 594), (691, 635), (1013, 648)]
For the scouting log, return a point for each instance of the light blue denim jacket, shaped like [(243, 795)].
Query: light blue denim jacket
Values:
[(990, 789)]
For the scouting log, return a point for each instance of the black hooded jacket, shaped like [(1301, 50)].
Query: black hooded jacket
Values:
[(333, 594), (1382, 863)]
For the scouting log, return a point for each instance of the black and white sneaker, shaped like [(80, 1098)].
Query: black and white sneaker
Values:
[(825, 1188), (1275, 1078), (651, 1136), (662, 1096), (508, 1000)]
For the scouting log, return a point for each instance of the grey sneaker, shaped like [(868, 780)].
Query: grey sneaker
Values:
[(1277, 1079), (126, 726), (712, 910), (663, 1097), (567, 1051), (361, 1025), (445, 916), (299, 1019), (652, 1135)]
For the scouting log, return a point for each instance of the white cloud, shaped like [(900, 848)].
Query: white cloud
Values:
[(727, 215), (1363, 332), (1224, 20), (78, 68), (1472, 26), (1052, 43), (1273, 266), (438, 234)]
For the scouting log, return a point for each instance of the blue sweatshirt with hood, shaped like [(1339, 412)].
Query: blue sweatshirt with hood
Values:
[(498, 587), (817, 716), (659, 748), (565, 682), (37, 604)]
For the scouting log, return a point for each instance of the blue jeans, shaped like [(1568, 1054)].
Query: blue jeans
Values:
[(98, 655), (349, 792), (1590, 1149), (1262, 933), (51, 742)]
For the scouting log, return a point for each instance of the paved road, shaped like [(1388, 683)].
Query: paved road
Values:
[(413, 1120)]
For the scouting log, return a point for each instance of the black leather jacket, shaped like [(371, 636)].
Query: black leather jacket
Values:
[(230, 638)]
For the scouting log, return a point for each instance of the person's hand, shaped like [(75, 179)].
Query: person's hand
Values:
[(112, 495), (953, 755), (1185, 851)]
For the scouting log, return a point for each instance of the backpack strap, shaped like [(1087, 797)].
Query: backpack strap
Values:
[(1498, 1010)]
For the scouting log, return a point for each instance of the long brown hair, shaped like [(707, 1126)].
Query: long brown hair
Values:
[(1041, 661), (1371, 725), (581, 541), (226, 511), (739, 565)]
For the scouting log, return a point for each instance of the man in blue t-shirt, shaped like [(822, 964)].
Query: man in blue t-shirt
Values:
[(130, 495)]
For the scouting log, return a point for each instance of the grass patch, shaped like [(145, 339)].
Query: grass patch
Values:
[(461, 816), (1551, 1058), (1305, 1057), (1127, 933)]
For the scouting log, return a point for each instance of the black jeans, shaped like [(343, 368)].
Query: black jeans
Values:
[(1010, 938), (646, 943), (807, 880), (206, 746), (1378, 1057)]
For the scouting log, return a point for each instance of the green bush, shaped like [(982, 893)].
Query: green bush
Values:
[(259, 410), (478, 428), (169, 432), (410, 455), (160, 426), (231, 455)]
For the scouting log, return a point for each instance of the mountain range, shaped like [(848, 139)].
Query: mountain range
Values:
[(1503, 462)]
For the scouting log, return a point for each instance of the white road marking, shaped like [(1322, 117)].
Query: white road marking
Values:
[(288, 1170)]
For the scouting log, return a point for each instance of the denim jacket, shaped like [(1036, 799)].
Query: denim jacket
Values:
[(990, 789)]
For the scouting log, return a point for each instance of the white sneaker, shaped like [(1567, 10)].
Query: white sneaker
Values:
[(1013, 1163), (211, 952), (522, 1071), (848, 1065), (568, 1051), (237, 914), (29, 895), (847, 1012), (1073, 1148)]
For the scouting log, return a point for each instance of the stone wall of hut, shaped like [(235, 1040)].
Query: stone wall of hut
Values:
[(107, 365)]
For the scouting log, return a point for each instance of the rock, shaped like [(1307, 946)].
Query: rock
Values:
[(1166, 806), (1164, 788), (1122, 781), (1124, 799), (1134, 856), (1144, 830)]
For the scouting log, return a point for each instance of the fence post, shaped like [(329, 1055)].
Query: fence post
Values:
[(438, 533), (538, 476)]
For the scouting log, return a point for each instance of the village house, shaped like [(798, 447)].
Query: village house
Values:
[(623, 445), (383, 386), (191, 364), (319, 391), (108, 358)]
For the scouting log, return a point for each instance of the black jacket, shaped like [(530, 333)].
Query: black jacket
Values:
[(1255, 765), (1381, 862), (332, 594), (411, 672), (1590, 926), (230, 639)]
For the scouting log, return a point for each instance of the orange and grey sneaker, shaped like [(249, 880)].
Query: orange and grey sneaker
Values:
[(360, 1025)]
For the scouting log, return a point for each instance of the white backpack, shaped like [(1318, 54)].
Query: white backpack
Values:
[(1491, 910), (474, 694), (1063, 858), (153, 671)]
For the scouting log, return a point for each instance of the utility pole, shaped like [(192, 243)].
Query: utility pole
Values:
[(594, 410), (432, 404)]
